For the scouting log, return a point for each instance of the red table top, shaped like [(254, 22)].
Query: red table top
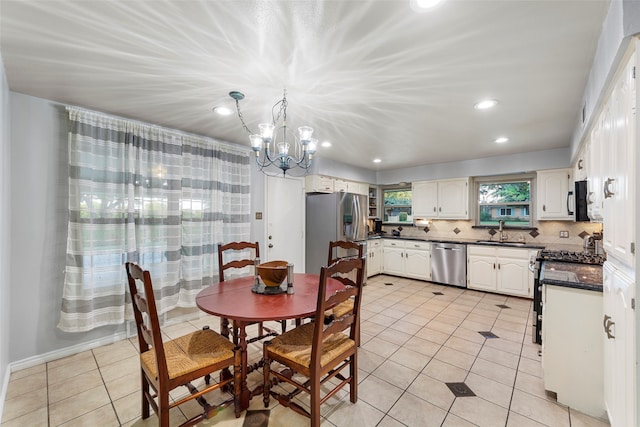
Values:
[(234, 299)]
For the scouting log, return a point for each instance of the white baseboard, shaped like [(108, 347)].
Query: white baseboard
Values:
[(130, 331), (64, 352), (3, 391)]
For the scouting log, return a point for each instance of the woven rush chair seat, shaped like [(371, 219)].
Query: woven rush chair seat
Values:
[(166, 366), (295, 346), (189, 353), (319, 351)]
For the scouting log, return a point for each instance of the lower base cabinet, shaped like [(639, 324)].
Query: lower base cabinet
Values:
[(572, 350), (374, 257), (501, 270), (407, 258), (617, 332)]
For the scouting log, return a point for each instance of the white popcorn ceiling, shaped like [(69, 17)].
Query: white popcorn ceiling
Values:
[(375, 78)]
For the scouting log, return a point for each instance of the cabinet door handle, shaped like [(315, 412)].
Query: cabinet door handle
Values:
[(498, 266), (494, 265), (608, 324), (607, 192), (544, 208), (434, 209)]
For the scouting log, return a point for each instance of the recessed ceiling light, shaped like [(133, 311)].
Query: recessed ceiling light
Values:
[(487, 103), (501, 140), (326, 144), (223, 111), (425, 4), (376, 160)]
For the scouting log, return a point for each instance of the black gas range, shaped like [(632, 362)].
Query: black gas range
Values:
[(561, 266)]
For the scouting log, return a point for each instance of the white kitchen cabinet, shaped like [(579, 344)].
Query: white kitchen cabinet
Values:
[(581, 164), (407, 258), (618, 330), (619, 218), (417, 261), (424, 196), (442, 199), (374, 257), (318, 184), (481, 268), (393, 258), (595, 155), (502, 270), (339, 185), (552, 202), (357, 187), (572, 352)]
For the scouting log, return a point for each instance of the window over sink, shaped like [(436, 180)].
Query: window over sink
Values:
[(504, 198), (397, 206)]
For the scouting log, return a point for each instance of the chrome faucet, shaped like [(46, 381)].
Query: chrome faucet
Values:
[(503, 236)]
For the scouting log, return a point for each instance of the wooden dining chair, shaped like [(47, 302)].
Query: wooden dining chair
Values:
[(165, 366), (231, 252), (334, 255), (317, 351)]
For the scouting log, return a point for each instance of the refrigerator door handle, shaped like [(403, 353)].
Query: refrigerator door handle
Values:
[(356, 218)]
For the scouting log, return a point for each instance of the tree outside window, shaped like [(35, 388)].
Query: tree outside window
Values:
[(507, 201), (397, 206)]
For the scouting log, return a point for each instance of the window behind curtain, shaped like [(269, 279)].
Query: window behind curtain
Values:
[(149, 195)]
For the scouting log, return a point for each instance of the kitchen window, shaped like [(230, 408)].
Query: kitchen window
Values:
[(505, 199), (397, 206)]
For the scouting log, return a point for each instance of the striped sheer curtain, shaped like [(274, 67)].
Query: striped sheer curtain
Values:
[(150, 195)]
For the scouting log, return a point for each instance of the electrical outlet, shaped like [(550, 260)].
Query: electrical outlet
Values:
[(564, 234)]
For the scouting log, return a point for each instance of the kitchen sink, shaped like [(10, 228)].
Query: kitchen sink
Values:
[(505, 243)]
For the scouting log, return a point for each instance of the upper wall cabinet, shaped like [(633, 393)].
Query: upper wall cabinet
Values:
[(318, 184), (328, 184), (441, 199), (618, 171), (553, 200)]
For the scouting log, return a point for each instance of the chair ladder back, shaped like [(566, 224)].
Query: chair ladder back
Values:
[(236, 263), (146, 315), (343, 244), (324, 329)]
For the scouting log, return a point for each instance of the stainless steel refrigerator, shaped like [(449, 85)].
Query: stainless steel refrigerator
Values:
[(335, 216)]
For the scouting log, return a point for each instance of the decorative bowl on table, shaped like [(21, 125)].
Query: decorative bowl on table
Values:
[(272, 273)]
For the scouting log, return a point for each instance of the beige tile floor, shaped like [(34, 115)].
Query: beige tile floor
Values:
[(413, 342)]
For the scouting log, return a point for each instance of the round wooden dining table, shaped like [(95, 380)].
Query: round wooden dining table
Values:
[(234, 300)]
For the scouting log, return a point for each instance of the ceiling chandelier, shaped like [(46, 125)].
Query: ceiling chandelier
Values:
[(278, 153)]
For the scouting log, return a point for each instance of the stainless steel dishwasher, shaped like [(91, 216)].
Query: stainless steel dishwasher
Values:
[(449, 264)]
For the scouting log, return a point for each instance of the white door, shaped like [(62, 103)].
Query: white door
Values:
[(285, 221)]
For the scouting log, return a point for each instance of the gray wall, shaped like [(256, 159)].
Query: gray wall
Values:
[(5, 225), (527, 162)]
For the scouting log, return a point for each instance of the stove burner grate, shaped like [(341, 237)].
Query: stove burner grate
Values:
[(568, 256)]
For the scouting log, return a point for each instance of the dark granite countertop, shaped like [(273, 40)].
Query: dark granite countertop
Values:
[(526, 245), (572, 275)]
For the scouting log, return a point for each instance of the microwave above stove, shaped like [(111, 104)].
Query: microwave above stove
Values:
[(581, 196)]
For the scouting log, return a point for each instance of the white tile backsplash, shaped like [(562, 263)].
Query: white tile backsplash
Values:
[(549, 231)]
